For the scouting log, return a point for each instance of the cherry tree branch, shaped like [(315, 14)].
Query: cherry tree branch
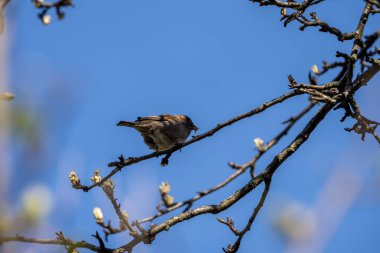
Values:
[(240, 169), (119, 165), (267, 174), (298, 15), (338, 94), (301, 138), (60, 240)]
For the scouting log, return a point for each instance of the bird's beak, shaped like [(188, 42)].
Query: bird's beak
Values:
[(195, 128)]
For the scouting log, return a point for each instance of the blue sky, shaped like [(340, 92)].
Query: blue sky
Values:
[(211, 60)]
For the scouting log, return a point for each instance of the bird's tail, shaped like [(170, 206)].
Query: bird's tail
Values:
[(126, 123)]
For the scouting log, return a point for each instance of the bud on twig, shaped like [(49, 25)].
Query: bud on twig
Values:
[(98, 215), (96, 178), (75, 181), (46, 19), (283, 11), (38, 3), (166, 198), (315, 69), (259, 144), (165, 188)]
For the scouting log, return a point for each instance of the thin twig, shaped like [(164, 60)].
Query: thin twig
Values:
[(235, 247), (108, 188), (298, 15), (58, 241)]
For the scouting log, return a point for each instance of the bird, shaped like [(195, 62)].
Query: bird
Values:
[(164, 131)]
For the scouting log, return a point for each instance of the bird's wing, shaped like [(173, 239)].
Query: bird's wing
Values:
[(162, 117), (150, 124)]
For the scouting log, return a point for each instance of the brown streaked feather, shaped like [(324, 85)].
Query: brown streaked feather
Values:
[(161, 117), (150, 142)]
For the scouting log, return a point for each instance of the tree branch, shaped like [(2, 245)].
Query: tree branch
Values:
[(119, 165), (61, 240), (339, 94), (300, 9), (254, 182), (240, 169)]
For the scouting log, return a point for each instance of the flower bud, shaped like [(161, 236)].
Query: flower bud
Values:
[(164, 188), (74, 179), (46, 19), (259, 144), (168, 200), (98, 215), (38, 3), (96, 178), (315, 69)]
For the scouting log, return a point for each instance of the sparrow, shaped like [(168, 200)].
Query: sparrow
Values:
[(164, 131)]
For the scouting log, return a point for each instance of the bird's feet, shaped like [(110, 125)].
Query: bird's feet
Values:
[(165, 160), (178, 146)]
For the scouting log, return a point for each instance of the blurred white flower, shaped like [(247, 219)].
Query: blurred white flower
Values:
[(296, 222), (7, 96), (37, 202)]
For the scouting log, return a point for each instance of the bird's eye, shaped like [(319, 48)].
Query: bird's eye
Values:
[(188, 120)]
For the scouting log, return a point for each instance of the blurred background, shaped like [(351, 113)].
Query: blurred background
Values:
[(212, 60)]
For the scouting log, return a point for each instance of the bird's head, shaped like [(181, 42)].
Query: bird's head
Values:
[(189, 123)]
